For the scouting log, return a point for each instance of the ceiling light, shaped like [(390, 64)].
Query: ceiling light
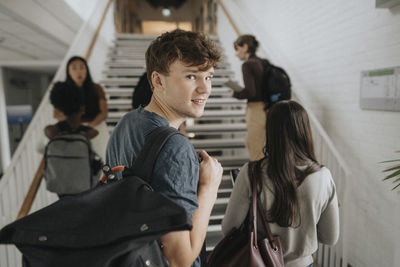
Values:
[(166, 12)]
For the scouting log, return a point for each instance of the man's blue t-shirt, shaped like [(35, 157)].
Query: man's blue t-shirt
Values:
[(176, 171)]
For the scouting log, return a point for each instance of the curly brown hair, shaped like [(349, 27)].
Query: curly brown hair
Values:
[(192, 48)]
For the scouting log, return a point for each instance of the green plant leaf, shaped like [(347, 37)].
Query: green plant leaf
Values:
[(388, 161), (396, 186), (397, 180), (396, 173), (397, 167)]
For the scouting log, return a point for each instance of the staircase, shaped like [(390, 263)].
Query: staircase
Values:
[(220, 131)]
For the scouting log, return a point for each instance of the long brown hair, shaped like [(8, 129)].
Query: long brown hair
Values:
[(91, 97), (288, 144)]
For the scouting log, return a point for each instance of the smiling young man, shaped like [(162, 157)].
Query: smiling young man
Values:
[(180, 66)]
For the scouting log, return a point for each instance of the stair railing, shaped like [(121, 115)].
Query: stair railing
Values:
[(20, 186), (326, 152)]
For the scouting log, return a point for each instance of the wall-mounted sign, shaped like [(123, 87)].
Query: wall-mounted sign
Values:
[(380, 89)]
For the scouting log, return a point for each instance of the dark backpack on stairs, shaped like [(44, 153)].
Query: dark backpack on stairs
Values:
[(113, 225), (276, 84)]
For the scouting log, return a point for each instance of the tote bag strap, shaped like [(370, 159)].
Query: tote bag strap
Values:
[(253, 217), (253, 174)]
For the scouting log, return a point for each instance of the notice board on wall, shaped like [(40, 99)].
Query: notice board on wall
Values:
[(380, 89)]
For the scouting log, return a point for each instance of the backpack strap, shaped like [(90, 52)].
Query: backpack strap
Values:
[(144, 163)]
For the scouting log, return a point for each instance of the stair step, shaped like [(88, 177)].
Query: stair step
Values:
[(222, 201), (226, 184), (223, 113), (125, 72), (221, 90), (212, 239), (232, 161), (225, 190), (230, 168), (135, 36), (218, 143), (214, 228), (217, 217), (116, 54), (119, 91), (232, 127), (132, 42), (226, 101), (115, 115), (120, 103)]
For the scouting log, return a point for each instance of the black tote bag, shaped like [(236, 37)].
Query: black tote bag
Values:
[(113, 225)]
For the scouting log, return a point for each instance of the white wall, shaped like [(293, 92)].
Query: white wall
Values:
[(40, 29), (102, 46), (324, 45), (86, 33), (82, 8), (51, 19)]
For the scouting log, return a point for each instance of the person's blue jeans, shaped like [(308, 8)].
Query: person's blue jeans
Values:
[(311, 265)]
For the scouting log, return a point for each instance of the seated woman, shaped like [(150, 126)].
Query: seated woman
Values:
[(297, 193), (95, 102), (71, 166), (68, 99)]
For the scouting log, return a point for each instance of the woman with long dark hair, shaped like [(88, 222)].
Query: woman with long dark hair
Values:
[(95, 102), (297, 193)]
